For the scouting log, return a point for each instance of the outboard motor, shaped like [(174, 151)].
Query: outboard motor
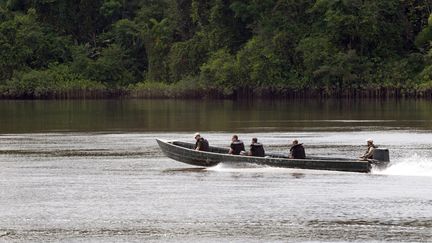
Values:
[(381, 157)]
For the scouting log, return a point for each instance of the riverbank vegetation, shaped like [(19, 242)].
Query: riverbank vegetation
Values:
[(215, 48)]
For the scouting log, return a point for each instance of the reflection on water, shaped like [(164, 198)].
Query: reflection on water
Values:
[(91, 171), (210, 115), (119, 187)]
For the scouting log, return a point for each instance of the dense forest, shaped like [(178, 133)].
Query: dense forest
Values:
[(215, 48)]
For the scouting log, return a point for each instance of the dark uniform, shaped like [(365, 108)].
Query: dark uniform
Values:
[(237, 147), (297, 151), (257, 149), (202, 144)]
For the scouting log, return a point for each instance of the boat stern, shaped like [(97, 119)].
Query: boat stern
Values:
[(381, 157)]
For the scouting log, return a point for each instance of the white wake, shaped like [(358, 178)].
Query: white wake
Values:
[(411, 166)]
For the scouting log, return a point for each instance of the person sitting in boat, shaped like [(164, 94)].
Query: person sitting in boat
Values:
[(256, 149), (201, 143), (370, 150), (237, 146), (297, 150)]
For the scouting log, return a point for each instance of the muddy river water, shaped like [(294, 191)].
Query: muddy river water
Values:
[(91, 171)]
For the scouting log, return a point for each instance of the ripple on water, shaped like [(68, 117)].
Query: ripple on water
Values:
[(120, 187)]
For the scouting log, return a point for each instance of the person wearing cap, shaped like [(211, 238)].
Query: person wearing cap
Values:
[(370, 150), (237, 146), (256, 149), (297, 150), (201, 143)]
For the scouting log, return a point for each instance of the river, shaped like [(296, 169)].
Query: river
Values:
[(85, 171)]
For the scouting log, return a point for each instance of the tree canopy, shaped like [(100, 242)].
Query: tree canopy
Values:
[(224, 45)]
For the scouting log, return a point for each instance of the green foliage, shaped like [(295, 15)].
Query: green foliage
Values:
[(221, 71), (261, 64), (185, 88), (361, 25), (128, 35), (223, 45), (111, 67), (26, 44), (48, 83), (111, 8), (186, 57), (424, 38), (157, 37), (316, 53)]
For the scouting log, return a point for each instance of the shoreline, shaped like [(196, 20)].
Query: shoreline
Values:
[(172, 92)]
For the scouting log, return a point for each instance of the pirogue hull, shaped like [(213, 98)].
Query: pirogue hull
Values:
[(185, 153)]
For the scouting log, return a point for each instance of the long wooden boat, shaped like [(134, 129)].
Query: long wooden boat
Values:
[(184, 152)]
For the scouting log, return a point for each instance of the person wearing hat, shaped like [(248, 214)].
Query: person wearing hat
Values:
[(370, 150), (201, 143), (297, 150)]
